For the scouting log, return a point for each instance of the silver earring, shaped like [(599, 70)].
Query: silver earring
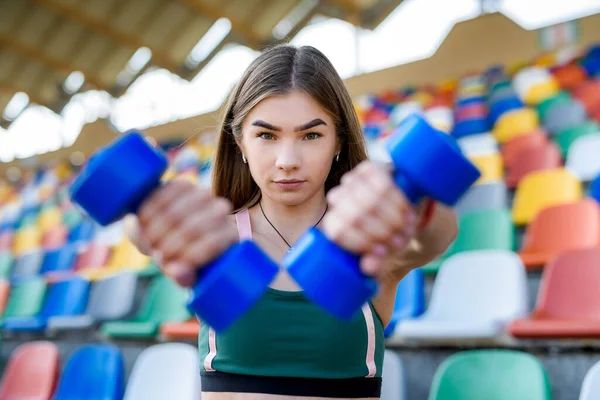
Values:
[(338, 157), (244, 159)]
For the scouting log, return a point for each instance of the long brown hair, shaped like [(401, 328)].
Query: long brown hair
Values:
[(279, 70)]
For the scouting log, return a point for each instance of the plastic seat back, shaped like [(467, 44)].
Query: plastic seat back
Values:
[(533, 159), (591, 383), (111, 235), (410, 299), (490, 166), (113, 298), (26, 239), (28, 264), (32, 372), (95, 255), (511, 149), (4, 294), (569, 76), (6, 240), (487, 196), (496, 374), (125, 254), (566, 138), (66, 298), (59, 260), (164, 301), (165, 371), (393, 380), (582, 159), (49, 218), (25, 298), (564, 115), (561, 228), (570, 286), (541, 189), (55, 237), (515, 123), (479, 286), (476, 145), (589, 94), (82, 232), (6, 263), (93, 372)]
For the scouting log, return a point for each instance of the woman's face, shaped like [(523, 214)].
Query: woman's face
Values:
[(290, 143)]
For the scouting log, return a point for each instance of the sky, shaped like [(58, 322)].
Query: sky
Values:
[(158, 96)]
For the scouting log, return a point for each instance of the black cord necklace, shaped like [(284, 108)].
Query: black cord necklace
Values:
[(275, 229)]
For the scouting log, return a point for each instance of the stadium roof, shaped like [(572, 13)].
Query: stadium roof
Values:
[(53, 49)]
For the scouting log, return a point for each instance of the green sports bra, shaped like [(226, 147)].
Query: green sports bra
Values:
[(284, 335)]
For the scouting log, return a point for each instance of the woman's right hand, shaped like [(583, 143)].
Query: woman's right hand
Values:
[(183, 227)]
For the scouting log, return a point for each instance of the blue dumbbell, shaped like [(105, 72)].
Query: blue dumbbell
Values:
[(117, 180), (428, 163)]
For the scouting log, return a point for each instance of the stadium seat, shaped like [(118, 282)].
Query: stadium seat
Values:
[(541, 189), (560, 228), (180, 330), (26, 239), (393, 380), (475, 295), (25, 299), (6, 263), (487, 196), (27, 264), (544, 107), (93, 372), (31, 373), (532, 159), (515, 123), (495, 374), (65, 298), (125, 254), (110, 299), (410, 299), (165, 371), (490, 166), (164, 301), (582, 158), (569, 76), (540, 91), (72, 217), (55, 237), (111, 235), (564, 115), (589, 94), (4, 294), (82, 233), (479, 230), (566, 138), (6, 240), (60, 260), (95, 255), (49, 218), (567, 303), (591, 383), (29, 218), (476, 145), (511, 148)]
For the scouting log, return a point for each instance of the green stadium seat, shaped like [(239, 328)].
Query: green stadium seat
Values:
[(496, 374), (6, 263), (26, 298), (480, 230), (164, 301)]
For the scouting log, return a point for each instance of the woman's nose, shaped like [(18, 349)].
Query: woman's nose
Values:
[(288, 156)]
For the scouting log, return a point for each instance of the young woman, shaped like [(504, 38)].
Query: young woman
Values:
[(291, 155)]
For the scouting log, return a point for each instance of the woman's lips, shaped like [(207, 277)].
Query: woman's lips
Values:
[(289, 185)]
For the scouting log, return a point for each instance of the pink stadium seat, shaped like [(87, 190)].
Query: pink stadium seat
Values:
[(529, 159)]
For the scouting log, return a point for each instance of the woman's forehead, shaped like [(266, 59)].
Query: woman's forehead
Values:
[(288, 111)]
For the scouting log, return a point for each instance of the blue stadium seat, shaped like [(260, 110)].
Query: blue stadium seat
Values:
[(82, 232), (93, 372), (410, 299), (57, 260), (68, 297)]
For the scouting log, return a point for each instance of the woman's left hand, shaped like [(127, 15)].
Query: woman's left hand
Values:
[(369, 215)]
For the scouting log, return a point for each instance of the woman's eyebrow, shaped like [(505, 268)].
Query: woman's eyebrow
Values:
[(308, 125)]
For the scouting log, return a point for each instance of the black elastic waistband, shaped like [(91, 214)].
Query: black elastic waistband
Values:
[(314, 387)]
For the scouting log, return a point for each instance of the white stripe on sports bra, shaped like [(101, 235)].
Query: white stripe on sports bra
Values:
[(242, 220)]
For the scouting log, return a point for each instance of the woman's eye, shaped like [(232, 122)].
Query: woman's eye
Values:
[(266, 135), (313, 135)]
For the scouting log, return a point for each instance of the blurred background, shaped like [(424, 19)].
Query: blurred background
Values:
[(512, 310)]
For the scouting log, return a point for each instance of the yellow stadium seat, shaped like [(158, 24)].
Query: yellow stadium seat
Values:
[(546, 60), (126, 255), (168, 175), (490, 166), (27, 239), (422, 97), (540, 92), (448, 85), (544, 188), (515, 123), (49, 218)]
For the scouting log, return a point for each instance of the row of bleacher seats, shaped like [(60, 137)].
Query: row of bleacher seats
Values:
[(532, 133), (97, 372)]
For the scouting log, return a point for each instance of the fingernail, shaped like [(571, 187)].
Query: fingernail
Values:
[(380, 249), (399, 240)]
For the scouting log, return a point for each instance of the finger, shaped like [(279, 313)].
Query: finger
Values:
[(183, 274), (161, 197), (206, 250), (371, 264), (173, 214), (371, 226), (348, 236), (196, 227)]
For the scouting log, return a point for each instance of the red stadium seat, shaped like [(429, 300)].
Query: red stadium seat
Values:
[(531, 159)]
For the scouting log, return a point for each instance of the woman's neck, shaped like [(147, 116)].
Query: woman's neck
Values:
[(292, 221)]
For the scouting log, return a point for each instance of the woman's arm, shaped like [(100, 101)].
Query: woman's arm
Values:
[(428, 244)]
